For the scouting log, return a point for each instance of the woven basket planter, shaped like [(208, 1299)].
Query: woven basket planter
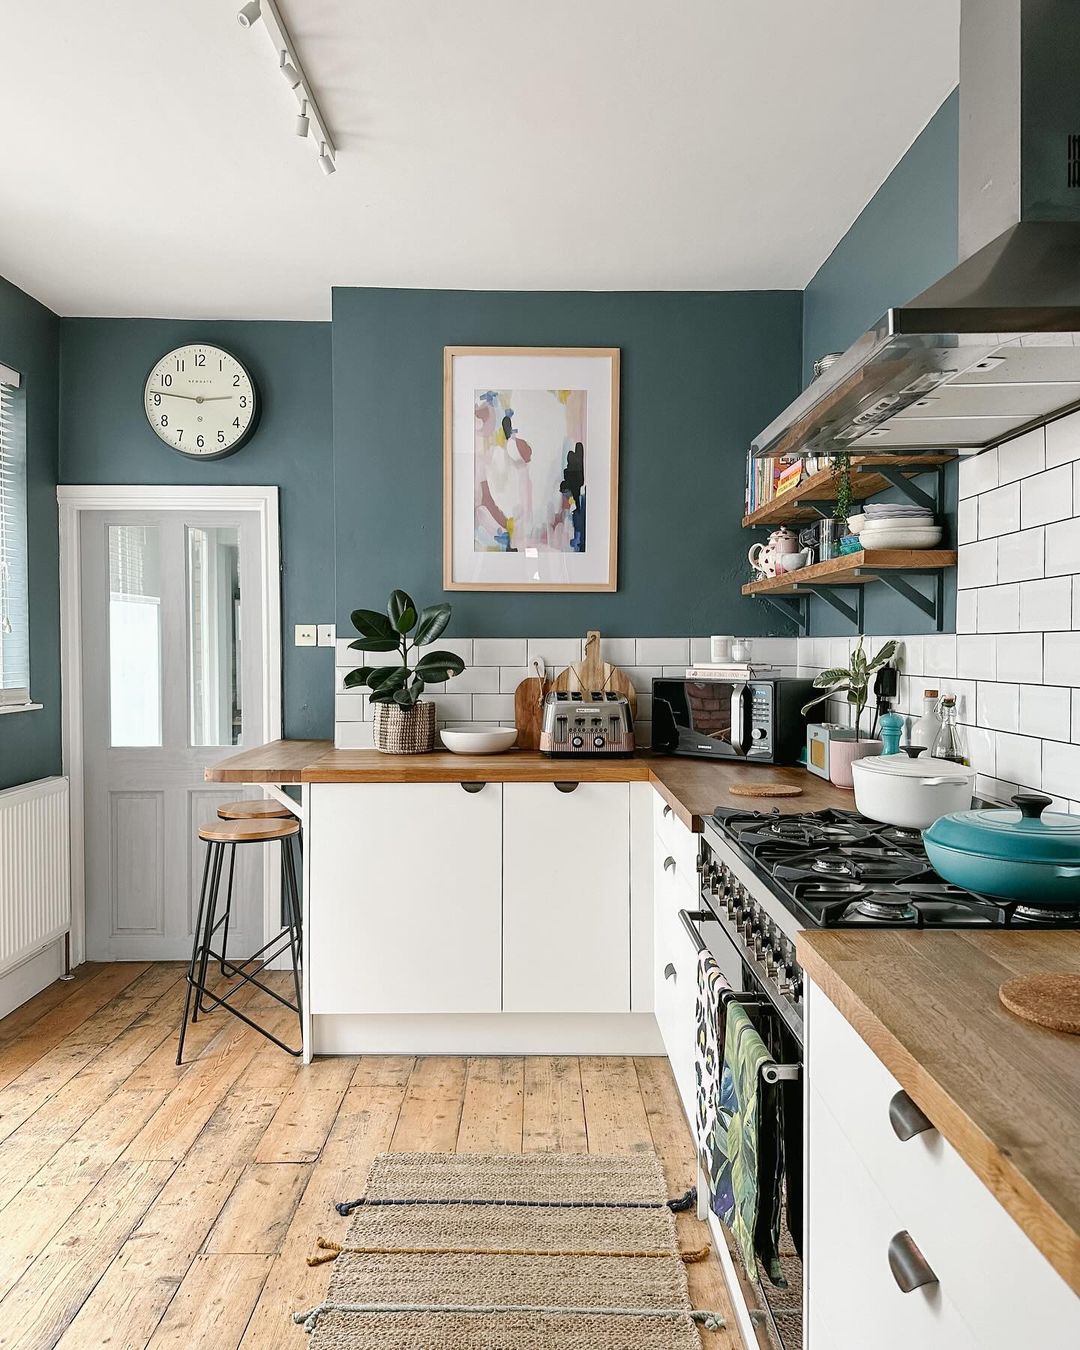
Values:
[(404, 731)]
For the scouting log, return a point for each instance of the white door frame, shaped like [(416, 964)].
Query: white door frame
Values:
[(73, 500)]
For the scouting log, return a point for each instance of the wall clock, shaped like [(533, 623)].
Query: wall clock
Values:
[(201, 401)]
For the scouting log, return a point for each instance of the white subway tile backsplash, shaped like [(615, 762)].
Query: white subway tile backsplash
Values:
[(1046, 605), (1075, 723), (354, 736), (981, 747), (511, 676), (663, 652), (456, 707), (1061, 769), (1022, 457), (1061, 658), (623, 651), (910, 655), (493, 707), (777, 651), (939, 654), (1062, 548), (472, 680), (351, 708), (1063, 440), (500, 651), (999, 609), (641, 677), (976, 657), (967, 520), (999, 511), (967, 611), (992, 789), (1045, 710), (978, 473), (1020, 555), (1046, 497), (977, 564), (1020, 658), (462, 647), (555, 652), (998, 706), (1019, 759)]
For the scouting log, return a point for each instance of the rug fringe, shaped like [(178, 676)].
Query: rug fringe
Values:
[(309, 1320), (329, 1251)]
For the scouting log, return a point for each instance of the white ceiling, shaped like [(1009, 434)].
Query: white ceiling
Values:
[(148, 164)]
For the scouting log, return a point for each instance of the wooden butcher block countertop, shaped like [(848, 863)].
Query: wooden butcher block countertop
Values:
[(693, 787), (1003, 1092)]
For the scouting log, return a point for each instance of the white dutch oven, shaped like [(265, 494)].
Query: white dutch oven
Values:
[(910, 792)]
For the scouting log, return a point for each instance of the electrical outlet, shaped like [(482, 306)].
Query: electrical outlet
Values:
[(305, 635), (327, 635)]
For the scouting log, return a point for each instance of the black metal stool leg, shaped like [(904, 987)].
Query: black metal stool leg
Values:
[(194, 955), (295, 930), (228, 908), (208, 928)]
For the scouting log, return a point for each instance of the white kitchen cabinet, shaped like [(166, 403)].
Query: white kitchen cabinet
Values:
[(566, 898), (864, 1184), (406, 888), (675, 889)]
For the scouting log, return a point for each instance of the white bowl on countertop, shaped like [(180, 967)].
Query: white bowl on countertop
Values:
[(900, 536), (478, 740)]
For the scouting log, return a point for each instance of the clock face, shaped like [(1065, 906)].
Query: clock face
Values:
[(201, 401)]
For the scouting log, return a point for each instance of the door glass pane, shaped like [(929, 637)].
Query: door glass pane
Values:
[(214, 634), (134, 635)]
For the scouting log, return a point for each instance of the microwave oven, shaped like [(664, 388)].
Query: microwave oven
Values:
[(756, 720)]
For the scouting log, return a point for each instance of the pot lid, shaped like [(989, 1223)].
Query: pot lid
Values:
[(905, 766), (1028, 834)]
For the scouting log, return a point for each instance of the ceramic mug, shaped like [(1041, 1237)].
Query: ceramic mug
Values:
[(720, 649)]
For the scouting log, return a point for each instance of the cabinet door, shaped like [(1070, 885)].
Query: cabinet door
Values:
[(566, 898), (405, 905)]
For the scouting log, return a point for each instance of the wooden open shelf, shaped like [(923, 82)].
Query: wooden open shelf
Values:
[(853, 569), (793, 506)]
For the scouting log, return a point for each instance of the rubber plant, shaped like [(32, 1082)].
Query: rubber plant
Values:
[(852, 679), (402, 629)]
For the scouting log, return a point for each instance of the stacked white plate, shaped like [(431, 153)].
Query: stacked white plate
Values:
[(898, 525)]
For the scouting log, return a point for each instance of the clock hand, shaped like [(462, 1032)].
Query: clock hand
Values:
[(194, 398)]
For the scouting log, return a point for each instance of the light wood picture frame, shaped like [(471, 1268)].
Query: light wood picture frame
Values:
[(530, 468)]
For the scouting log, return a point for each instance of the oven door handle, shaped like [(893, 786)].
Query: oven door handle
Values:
[(739, 729), (690, 917)]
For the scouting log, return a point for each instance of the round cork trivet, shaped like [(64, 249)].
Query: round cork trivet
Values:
[(766, 790), (1050, 1000)]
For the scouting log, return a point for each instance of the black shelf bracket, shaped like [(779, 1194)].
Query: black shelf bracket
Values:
[(898, 479), (932, 605), (830, 594), (794, 608)]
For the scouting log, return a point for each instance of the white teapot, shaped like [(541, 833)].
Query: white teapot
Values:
[(764, 558)]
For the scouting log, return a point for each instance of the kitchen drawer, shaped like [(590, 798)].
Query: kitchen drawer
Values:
[(674, 839), (994, 1273), (675, 989), (853, 1300), (674, 883)]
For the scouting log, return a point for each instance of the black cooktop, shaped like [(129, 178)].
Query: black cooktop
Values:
[(838, 869)]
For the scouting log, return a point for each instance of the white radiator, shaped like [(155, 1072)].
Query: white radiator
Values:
[(35, 876)]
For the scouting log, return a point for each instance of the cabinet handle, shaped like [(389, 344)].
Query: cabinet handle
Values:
[(906, 1118), (565, 787), (670, 973), (474, 787), (667, 810), (669, 863), (910, 1269)]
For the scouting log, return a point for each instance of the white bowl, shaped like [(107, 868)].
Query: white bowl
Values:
[(855, 523), (479, 740), (901, 536)]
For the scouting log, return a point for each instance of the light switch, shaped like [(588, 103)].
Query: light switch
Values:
[(306, 635), (327, 635)]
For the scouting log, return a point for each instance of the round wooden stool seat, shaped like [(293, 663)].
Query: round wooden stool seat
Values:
[(264, 810), (248, 831)]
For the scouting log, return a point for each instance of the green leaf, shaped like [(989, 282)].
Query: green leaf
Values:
[(402, 611), (358, 677), (369, 623), (382, 697), (372, 644), (829, 678), (432, 623), (408, 697), (884, 655), (434, 667), (385, 679), (815, 701)]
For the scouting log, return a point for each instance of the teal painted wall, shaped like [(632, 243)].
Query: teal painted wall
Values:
[(904, 239), (29, 343), (701, 372), (105, 438)]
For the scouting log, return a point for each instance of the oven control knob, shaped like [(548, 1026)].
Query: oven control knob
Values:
[(577, 742), (758, 734)]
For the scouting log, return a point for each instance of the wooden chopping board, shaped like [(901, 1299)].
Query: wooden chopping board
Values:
[(529, 711), (593, 673)]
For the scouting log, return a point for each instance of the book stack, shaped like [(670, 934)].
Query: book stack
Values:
[(728, 670), (790, 476), (767, 478)]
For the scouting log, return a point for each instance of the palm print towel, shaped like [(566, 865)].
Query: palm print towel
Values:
[(708, 1056)]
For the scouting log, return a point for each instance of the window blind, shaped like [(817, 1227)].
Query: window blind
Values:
[(14, 600)]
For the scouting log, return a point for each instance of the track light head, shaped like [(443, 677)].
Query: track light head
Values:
[(303, 122), (326, 163), (249, 14), (292, 75)]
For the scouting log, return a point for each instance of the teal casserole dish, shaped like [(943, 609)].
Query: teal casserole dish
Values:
[(1030, 855)]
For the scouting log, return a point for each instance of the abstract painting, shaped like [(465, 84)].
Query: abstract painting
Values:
[(531, 454)]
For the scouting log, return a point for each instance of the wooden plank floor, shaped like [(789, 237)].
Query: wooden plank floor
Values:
[(142, 1205)]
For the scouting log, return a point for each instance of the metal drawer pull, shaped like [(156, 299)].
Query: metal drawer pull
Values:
[(565, 787), (906, 1118), (689, 917), (473, 787), (670, 973), (667, 810), (910, 1269), (669, 863)]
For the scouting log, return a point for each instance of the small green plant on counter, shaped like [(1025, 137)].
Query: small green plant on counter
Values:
[(843, 487), (402, 629), (854, 679)]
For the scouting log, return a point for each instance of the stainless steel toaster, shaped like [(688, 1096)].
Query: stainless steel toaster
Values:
[(577, 724)]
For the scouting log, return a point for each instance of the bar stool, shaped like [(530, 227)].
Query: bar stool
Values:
[(217, 835), (260, 809)]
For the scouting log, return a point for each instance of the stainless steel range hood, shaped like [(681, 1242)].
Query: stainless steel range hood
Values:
[(993, 348)]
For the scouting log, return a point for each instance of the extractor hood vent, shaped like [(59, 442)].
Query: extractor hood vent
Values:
[(993, 348)]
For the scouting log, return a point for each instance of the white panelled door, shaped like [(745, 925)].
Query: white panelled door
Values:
[(171, 642)]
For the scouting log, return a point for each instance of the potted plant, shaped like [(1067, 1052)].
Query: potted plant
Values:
[(403, 724), (854, 680)]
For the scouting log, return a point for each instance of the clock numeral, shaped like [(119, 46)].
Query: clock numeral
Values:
[(220, 364), (179, 364), (235, 381), (243, 400), (200, 359), (180, 433), (164, 419), (157, 400), (199, 442), (221, 438), (166, 380), (236, 423)]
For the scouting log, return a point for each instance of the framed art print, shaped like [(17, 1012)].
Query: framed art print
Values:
[(531, 453)]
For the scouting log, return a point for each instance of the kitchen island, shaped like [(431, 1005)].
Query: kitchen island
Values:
[(496, 903)]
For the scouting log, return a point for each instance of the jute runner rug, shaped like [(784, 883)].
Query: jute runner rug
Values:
[(508, 1252)]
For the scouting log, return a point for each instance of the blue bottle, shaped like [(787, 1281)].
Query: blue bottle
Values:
[(891, 726)]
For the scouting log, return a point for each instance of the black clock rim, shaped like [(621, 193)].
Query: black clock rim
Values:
[(256, 411)]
